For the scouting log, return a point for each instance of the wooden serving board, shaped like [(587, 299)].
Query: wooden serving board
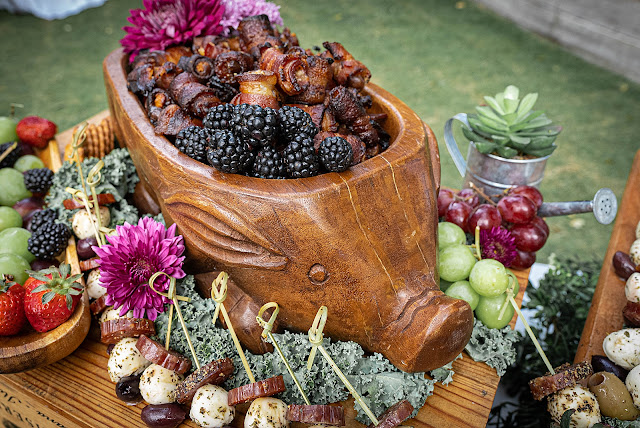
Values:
[(605, 314), (77, 392)]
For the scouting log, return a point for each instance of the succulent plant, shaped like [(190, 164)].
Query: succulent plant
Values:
[(508, 127)]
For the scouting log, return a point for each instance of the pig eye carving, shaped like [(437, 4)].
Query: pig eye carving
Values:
[(318, 274)]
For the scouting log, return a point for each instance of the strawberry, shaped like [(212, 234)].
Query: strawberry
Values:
[(51, 296), (11, 306), (36, 131)]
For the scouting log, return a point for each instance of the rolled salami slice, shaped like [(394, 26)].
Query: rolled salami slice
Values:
[(566, 375), (251, 391), (99, 305), (316, 414), (213, 373), (394, 415), (158, 354), (89, 264), (113, 330), (103, 199)]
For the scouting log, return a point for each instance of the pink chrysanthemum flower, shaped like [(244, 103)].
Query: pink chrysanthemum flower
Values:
[(135, 254), (163, 23), (237, 10), (498, 244)]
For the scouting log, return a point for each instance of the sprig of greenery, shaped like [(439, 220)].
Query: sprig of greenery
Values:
[(561, 303)]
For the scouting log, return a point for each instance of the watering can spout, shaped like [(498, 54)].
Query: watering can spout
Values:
[(604, 207)]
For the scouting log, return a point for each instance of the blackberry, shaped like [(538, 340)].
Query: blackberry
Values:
[(229, 153), (269, 163), (49, 240), (335, 154), (12, 157), (42, 217), (257, 125), (38, 180), (220, 117), (193, 142), (294, 121), (300, 157)]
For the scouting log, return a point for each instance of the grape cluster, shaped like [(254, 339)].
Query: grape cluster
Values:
[(516, 211)]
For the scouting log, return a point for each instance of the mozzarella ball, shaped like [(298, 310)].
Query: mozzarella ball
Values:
[(587, 410), (157, 384), (114, 314), (209, 407), (623, 347), (94, 287), (632, 288), (82, 224), (125, 360), (633, 385), (266, 412), (634, 252)]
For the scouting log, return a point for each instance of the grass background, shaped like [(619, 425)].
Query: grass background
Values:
[(438, 56)]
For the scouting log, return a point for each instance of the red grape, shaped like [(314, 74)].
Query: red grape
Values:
[(84, 248), (27, 205), (538, 221), (529, 192), (469, 196), (523, 260), (445, 197), (458, 213), (486, 216), (44, 264), (517, 209), (529, 237)]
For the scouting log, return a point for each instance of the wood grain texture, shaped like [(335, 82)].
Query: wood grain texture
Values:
[(31, 349), (370, 230), (605, 314)]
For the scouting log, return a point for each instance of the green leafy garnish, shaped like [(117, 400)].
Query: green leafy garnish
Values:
[(492, 346)]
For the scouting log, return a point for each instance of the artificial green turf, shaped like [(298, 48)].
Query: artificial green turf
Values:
[(439, 57)]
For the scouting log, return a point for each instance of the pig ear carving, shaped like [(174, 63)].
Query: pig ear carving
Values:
[(221, 233)]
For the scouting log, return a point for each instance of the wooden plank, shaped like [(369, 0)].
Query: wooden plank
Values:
[(77, 392), (605, 314)]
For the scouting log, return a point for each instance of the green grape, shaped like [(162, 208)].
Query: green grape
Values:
[(463, 290), (13, 188), (455, 262), (28, 162), (14, 240), (449, 234), (444, 285), (489, 278), (7, 130), (488, 311), (13, 264), (9, 218)]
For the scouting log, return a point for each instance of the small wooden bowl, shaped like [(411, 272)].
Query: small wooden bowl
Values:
[(31, 349)]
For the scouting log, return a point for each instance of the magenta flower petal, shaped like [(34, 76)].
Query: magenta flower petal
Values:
[(133, 255), (498, 244)]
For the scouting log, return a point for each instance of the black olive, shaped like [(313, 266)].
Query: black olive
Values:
[(110, 348), (163, 415), (601, 363), (84, 248), (128, 389)]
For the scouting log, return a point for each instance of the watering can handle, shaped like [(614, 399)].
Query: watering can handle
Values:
[(452, 146)]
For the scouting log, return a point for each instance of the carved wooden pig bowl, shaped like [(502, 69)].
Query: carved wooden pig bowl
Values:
[(362, 242)]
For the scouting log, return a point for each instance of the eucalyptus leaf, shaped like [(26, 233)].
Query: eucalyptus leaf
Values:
[(565, 421)]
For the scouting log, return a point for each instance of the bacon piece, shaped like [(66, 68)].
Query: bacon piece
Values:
[(191, 95), (320, 75), (200, 66), (290, 69), (141, 80), (256, 32), (154, 58), (103, 199), (258, 87), (262, 388), (211, 46), (213, 373), (174, 53), (173, 119), (349, 111), (99, 305), (316, 414), (112, 331), (347, 70), (566, 375), (89, 264), (158, 354), (394, 415), (228, 65), (164, 74)]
